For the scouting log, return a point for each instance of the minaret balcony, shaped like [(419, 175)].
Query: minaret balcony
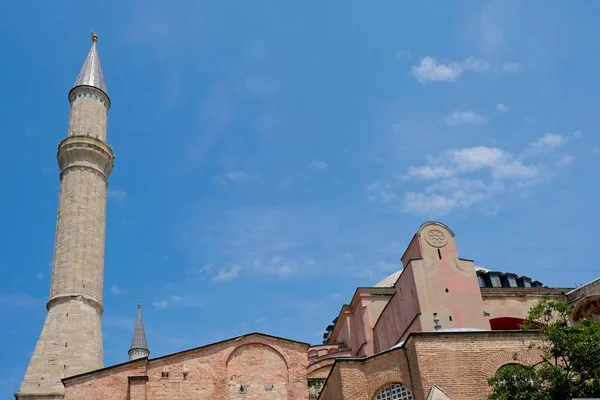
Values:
[(80, 151)]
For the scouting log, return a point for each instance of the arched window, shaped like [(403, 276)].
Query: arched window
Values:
[(395, 391)]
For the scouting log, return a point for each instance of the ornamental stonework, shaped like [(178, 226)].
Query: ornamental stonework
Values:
[(436, 237)]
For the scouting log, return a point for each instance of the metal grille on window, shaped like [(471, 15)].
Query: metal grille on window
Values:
[(394, 392)]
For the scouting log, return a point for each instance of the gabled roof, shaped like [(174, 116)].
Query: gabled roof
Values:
[(237, 338), (435, 393)]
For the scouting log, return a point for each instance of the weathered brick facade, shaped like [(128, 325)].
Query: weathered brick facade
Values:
[(250, 367), (458, 363)]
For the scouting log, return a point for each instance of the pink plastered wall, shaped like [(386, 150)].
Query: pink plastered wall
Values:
[(398, 318), (356, 322), (447, 285), (412, 252)]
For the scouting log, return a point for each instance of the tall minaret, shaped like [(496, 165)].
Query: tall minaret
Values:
[(139, 345), (71, 338)]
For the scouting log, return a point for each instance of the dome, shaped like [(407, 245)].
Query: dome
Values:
[(390, 280)]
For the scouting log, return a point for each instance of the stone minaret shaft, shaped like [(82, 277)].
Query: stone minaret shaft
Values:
[(71, 339)]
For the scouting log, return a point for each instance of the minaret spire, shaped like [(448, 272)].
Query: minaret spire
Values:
[(139, 345), (91, 71), (71, 339)]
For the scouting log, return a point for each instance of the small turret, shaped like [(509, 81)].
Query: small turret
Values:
[(139, 345)]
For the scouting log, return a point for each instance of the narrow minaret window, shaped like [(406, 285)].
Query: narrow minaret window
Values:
[(86, 162), (139, 345)]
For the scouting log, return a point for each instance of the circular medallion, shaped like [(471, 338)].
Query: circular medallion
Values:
[(436, 238)]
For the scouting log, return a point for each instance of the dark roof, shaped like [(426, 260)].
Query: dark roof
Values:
[(139, 334)]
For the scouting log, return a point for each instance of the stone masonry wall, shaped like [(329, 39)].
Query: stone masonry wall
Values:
[(88, 116), (71, 339), (78, 265), (70, 344)]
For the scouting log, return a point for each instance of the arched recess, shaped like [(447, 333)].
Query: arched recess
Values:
[(506, 323), (246, 365), (325, 364), (497, 360), (588, 308), (394, 391)]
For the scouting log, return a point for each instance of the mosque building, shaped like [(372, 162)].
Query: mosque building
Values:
[(437, 329)]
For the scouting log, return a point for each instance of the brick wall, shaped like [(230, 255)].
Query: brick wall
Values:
[(361, 380), (106, 384), (211, 372), (460, 364), (332, 391)]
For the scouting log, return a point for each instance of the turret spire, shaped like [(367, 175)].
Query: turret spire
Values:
[(91, 72), (139, 345)]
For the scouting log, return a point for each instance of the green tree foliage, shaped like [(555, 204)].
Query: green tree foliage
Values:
[(570, 363), (516, 382)]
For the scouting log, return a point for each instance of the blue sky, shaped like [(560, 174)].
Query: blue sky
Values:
[(273, 156)]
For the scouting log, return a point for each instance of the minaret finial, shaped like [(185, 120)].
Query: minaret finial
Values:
[(94, 36)]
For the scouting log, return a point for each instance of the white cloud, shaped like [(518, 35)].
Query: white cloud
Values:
[(317, 164), (115, 289), (449, 194), (278, 243), (502, 108), (117, 194), (511, 67), (381, 192), (514, 170), (548, 142), (179, 301), (577, 134), (565, 161), (237, 175), (475, 65), (234, 176), (474, 158), (464, 117), (430, 172), (432, 70), (40, 276), (159, 305), (227, 274), (460, 178)]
